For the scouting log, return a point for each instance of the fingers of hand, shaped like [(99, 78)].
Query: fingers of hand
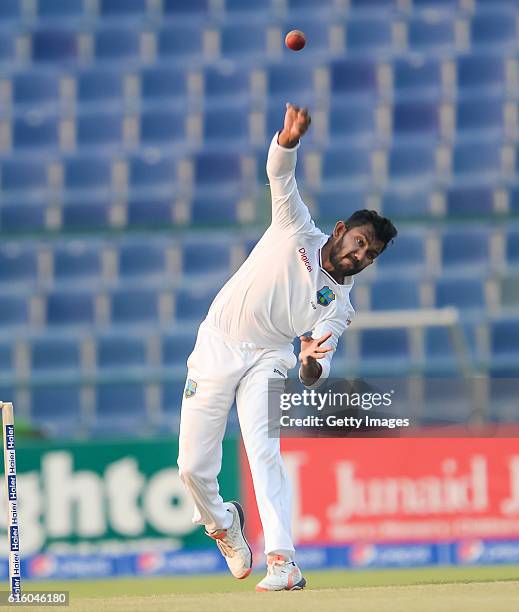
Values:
[(323, 349), (324, 338)]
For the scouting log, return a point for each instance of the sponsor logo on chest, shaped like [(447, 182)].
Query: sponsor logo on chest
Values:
[(304, 258)]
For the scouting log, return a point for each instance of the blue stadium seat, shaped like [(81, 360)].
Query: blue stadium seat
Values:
[(164, 84), (220, 169), (477, 160), (60, 354), (431, 34), (239, 8), (27, 176), (335, 204), (99, 129), (56, 408), (7, 360), (481, 115), (470, 201), (467, 294), (99, 86), (193, 303), (120, 351), (14, 311), (7, 49), (88, 173), (117, 44), (145, 258), (496, 30), (54, 45), (368, 35), (372, 6), (135, 306), (224, 128), (298, 7), (18, 264), (437, 5), (481, 71), (123, 8), (22, 216), (448, 403), (210, 258), (38, 89), (395, 293), (346, 166), (440, 354), (60, 9), (284, 82), (150, 212), (121, 403), (504, 335), (386, 350), (417, 76), (181, 42), (416, 119), (77, 261), (153, 174), (210, 209), (237, 42), (412, 164), (512, 246), (513, 196), (226, 81), (465, 249), (405, 256), (179, 8), (86, 216), (405, 202), (162, 127), (35, 131), (176, 348), (9, 10), (353, 77), (356, 121), (70, 308)]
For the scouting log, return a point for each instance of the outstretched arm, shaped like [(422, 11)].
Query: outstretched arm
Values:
[(288, 209)]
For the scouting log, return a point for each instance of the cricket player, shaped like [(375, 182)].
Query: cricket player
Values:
[(297, 279)]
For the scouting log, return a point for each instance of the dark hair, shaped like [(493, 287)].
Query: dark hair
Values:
[(385, 231)]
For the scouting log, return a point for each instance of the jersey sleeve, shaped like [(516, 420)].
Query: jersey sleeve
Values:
[(289, 212), (337, 327)]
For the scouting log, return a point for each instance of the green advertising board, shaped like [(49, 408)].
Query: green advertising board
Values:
[(109, 495)]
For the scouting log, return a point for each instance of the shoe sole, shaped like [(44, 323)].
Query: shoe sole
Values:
[(241, 516), (299, 586)]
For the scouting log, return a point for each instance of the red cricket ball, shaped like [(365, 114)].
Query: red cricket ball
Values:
[(295, 40)]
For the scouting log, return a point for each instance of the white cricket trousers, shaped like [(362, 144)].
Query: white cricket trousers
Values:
[(225, 369)]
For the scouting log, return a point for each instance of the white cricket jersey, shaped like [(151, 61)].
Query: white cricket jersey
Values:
[(281, 290)]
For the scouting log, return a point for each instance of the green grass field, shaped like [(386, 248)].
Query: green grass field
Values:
[(478, 589)]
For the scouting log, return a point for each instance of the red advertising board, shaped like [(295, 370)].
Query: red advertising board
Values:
[(389, 490)]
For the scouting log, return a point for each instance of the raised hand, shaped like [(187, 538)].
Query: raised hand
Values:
[(297, 121)]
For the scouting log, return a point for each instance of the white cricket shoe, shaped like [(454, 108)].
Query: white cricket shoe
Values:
[(282, 575), (232, 543)]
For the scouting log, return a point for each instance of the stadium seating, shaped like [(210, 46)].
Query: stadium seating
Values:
[(133, 139)]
